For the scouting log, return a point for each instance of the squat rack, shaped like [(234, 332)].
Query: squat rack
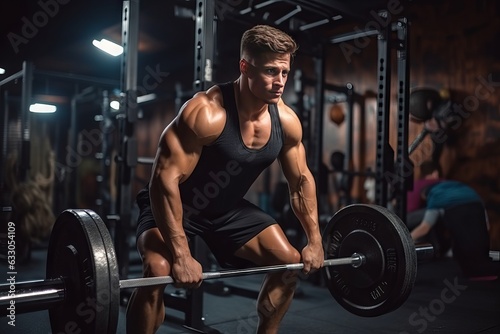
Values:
[(393, 174)]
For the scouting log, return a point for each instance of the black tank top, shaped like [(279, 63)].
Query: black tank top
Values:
[(227, 167)]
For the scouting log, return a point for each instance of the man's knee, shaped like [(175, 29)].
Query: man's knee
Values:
[(292, 256), (286, 280), (155, 265), (288, 277)]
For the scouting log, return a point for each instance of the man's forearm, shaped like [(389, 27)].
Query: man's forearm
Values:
[(305, 207), (166, 206)]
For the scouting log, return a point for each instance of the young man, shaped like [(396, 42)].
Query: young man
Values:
[(207, 159)]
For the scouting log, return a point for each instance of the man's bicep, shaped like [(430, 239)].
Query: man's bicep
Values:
[(177, 154)]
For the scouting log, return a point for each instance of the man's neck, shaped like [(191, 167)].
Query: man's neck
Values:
[(248, 106)]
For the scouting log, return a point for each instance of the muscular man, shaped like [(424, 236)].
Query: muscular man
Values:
[(207, 159)]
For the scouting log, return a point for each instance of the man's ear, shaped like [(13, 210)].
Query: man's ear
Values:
[(244, 67)]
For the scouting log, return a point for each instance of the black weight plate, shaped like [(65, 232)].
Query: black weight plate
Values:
[(114, 279), (78, 254), (384, 282)]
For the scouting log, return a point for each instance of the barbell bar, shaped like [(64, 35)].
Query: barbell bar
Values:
[(355, 260), (370, 268), (424, 251)]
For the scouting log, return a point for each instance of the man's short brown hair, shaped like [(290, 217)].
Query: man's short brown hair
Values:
[(263, 38)]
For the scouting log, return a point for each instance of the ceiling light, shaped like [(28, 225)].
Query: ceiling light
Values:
[(108, 47), (146, 98), (115, 105), (43, 108), (2, 70)]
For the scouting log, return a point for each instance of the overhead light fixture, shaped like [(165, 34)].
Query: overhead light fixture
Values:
[(115, 105), (43, 108), (146, 98), (108, 47), (2, 70)]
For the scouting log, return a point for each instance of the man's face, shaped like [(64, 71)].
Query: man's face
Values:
[(267, 75)]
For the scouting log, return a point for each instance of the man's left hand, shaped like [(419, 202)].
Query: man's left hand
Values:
[(313, 257)]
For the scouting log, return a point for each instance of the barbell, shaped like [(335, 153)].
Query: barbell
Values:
[(370, 269)]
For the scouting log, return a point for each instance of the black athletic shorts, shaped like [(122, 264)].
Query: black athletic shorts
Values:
[(223, 235)]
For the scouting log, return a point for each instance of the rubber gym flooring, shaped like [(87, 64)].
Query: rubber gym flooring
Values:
[(442, 301)]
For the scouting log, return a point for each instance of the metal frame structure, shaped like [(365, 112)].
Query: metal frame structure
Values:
[(205, 32), (128, 143), (316, 132), (204, 53), (384, 160), (393, 179), (26, 74), (404, 165), (392, 175)]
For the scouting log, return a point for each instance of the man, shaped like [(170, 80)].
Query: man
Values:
[(207, 159), (463, 215)]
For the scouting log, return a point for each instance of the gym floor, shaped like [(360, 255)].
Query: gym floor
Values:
[(442, 301)]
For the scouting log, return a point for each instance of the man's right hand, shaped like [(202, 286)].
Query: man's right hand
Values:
[(187, 273)]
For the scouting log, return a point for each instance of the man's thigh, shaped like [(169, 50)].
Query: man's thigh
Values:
[(269, 247)]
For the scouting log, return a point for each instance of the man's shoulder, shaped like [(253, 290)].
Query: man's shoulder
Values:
[(290, 123), (205, 102), (287, 114), (211, 97), (204, 113)]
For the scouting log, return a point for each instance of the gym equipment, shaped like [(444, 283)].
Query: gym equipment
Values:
[(370, 268), (423, 103), (385, 280), (337, 114), (418, 140)]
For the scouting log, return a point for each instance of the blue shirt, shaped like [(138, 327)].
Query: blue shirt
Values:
[(446, 194), (450, 193)]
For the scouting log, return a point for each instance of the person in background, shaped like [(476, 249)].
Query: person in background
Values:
[(463, 216), (430, 173)]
